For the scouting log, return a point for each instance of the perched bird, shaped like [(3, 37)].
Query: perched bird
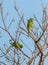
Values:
[(16, 45), (30, 24)]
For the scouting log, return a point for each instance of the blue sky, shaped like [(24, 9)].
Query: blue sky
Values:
[(28, 8)]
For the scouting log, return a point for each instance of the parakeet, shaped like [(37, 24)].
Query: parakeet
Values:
[(16, 45), (30, 24)]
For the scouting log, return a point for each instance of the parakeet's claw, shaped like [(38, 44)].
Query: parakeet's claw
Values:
[(28, 34)]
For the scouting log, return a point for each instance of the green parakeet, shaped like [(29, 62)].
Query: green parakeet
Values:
[(16, 45), (30, 24)]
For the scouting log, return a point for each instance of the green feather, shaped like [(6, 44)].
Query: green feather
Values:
[(30, 24), (21, 46), (16, 45)]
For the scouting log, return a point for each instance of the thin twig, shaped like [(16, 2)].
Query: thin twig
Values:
[(7, 32), (21, 17), (37, 21), (11, 23)]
